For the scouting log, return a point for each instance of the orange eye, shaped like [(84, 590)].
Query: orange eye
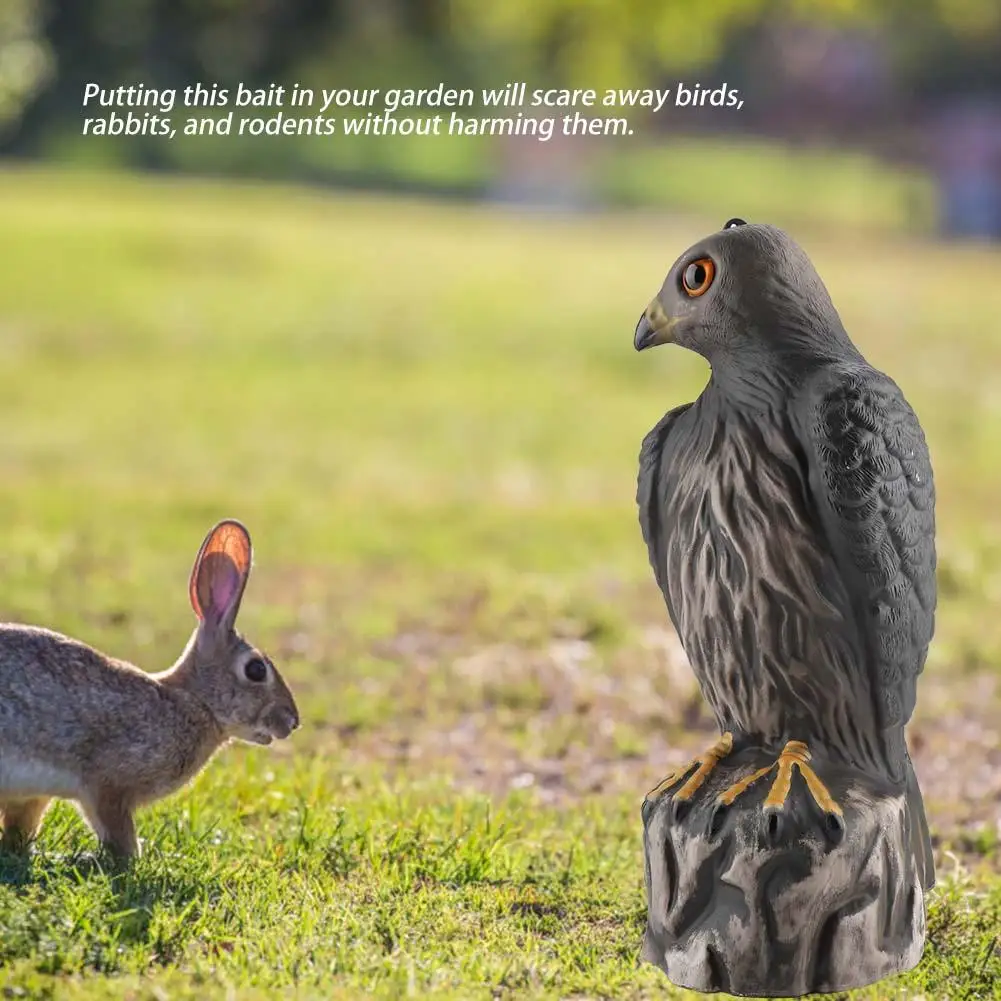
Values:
[(698, 276)]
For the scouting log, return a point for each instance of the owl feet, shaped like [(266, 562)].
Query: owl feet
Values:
[(795, 755), (695, 772)]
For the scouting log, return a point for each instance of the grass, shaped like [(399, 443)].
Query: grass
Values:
[(428, 417), (380, 892), (733, 175), (860, 191)]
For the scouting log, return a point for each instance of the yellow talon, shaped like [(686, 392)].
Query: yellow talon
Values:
[(794, 755), (819, 792), (729, 795), (703, 764)]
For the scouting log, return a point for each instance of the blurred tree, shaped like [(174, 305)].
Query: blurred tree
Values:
[(25, 58), (171, 43), (166, 43), (623, 42), (49, 49), (626, 42)]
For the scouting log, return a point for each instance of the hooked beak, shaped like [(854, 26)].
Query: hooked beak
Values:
[(654, 327)]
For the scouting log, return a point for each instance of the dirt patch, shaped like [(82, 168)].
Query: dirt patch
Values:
[(570, 719)]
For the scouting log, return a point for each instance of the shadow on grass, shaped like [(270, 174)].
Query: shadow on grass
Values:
[(124, 898), (22, 870)]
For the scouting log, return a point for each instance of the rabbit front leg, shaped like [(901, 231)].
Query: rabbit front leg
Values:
[(21, 820), (110, 814)]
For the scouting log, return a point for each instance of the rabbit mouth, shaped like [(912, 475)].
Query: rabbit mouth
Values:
[(280, 723), (277, 724)]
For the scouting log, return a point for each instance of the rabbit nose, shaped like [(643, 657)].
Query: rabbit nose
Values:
[(290, 720), (282, 721)]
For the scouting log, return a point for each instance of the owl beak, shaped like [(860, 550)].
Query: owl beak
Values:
[(654, 327)]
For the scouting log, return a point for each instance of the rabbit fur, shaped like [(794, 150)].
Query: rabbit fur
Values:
[(79, 725)]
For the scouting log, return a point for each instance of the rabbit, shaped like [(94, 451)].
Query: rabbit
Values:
[(79, 725)]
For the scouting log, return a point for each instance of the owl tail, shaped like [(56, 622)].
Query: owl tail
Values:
[(920, 836)]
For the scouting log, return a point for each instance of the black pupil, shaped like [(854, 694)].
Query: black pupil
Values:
[(735, 221), (255, 670), (695, 276)]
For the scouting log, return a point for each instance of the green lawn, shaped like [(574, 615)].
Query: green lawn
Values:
[(790, 183), (428, 417)]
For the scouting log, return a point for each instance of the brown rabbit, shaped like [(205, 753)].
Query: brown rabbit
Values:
[(82, 726)]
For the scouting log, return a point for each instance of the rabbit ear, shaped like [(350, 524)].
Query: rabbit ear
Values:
[(220, 574)]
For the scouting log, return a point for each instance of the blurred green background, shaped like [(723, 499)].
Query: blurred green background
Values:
[(865, 114), (408, 367)]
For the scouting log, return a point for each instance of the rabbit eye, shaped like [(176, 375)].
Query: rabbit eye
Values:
[(255, 670)]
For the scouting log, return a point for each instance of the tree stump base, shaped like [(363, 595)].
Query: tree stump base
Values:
[(788, 907)]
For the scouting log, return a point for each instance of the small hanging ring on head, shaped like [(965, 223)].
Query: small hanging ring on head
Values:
[(734, 222)]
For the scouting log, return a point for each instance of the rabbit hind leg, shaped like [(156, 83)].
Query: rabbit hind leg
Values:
[(21, 820)]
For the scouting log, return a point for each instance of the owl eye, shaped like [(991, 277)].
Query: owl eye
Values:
[(698, 276), (255, 670), (734, 222)]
